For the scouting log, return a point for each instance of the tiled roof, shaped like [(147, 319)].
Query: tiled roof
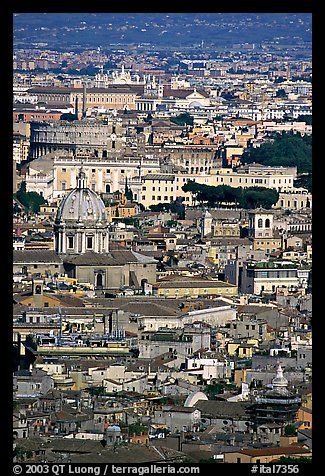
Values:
[(159, 177), (36, 256), (113, 258), (129, 454), (194, 284), (274, 451)]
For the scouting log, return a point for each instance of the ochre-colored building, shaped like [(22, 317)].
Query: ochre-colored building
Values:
[(305, 416), (266, 455), (113, 97), (195, 288)]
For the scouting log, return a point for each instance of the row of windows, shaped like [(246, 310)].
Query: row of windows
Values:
[(111, 99), (295, 204), (254, 180), (253, 326), (267, 243), (35, 266), (165, 198), (260, 223), (89, 242), (276, 274), (144, 188)]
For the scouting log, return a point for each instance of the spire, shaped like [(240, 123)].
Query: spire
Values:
[(81, 179)]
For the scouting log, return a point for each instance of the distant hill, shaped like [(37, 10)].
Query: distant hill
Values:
[(91, 30)]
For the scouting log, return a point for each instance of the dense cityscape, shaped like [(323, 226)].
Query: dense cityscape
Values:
[(162, 238)]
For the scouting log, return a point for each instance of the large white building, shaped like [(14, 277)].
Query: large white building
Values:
[(267, 276)]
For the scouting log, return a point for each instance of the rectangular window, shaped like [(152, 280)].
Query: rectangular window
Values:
[(89, 242), (70, 242)]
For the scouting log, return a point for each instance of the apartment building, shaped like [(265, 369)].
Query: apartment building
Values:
[(281, 180), (267, 276)]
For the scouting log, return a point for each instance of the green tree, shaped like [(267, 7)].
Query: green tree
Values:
[(290, 430), (208, 460), (173, 207), (183, 119), (22, 454), (128, 193), (97, 391), (137, 428), (214, 389), (307, 118), (304, 181), (281, 93), (255, 197), (30, 200), (68, 116), (294, 460), (148, 118), (252, 197), (286, 149)]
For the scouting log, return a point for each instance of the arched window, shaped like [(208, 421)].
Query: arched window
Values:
[(267, 223), (260, 223)]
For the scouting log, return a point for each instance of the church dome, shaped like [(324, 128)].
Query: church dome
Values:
[(194, 397), (81, 205)]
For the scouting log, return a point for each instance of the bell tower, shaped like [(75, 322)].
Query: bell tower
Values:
[(37, 290), (260, 224)]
